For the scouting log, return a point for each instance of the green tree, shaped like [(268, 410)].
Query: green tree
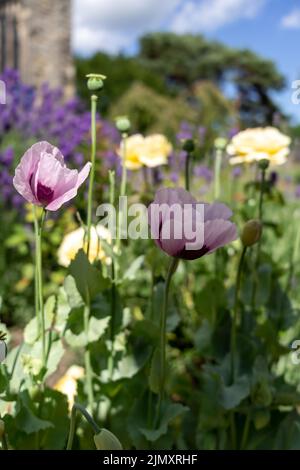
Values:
[(183, 60)]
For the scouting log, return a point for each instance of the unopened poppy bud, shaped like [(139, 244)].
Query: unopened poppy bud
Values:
[(263, 164), (188, 145), (220, 143), (106, 440), (251, 232), (95, 81), (2, 428), (123, 124)]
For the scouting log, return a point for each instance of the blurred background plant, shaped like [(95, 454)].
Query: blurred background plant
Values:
[(176, 85)]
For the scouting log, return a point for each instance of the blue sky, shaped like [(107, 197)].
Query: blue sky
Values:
[(269, 27)]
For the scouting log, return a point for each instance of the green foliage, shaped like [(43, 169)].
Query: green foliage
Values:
[(150, 111)]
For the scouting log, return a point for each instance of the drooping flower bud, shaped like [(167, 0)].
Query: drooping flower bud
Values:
[(106, 440), (251, 232), (95, 81), (188, 145), (123, 124)]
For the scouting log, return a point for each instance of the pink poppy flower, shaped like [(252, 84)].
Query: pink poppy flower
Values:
[(173, 210), (43, 179)]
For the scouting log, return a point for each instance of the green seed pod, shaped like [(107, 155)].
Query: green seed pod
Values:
[(106, 440), (2, 428), (95, 81), (188, 145), (251, 232), (123, 124), (263, 164), (220, 143)]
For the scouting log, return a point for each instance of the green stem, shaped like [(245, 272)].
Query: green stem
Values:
[(122, 190), (261, 196), (233, 429), (124, 169), (246, 430), (187, 170), (77, 407), (39, 302), (113, 279), (235, 313), (87, 359), (163, 325), (217, 172), (257, 254), (4, 442), (113, 319), (94, 100)]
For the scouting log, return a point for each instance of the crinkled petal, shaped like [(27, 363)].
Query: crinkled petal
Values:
[(218, 233), (216, 210), (71, 193)]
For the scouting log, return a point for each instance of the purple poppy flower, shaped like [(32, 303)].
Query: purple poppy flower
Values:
[(43, 179), (208, 225)]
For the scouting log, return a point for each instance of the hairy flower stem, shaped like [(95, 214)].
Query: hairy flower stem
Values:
[(87, 356), (217, 173), (94, 100), (163, 334), (77, 407), (235, 313), (39, 301)]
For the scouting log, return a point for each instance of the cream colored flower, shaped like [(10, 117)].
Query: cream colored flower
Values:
[(68, 383), (74, 241), (258, 144), (156, 151), (133, 150), (151, 151)]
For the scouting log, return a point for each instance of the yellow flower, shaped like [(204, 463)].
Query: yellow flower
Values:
[(156, 151), (133, 150), (258, 144), (68, 383), (151, 151), (74, 241)]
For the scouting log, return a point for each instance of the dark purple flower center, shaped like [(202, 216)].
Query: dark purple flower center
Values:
[(44, 194)]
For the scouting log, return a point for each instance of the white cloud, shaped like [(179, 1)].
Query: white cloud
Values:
[(291, 20), (209, 15), (114, 25)]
